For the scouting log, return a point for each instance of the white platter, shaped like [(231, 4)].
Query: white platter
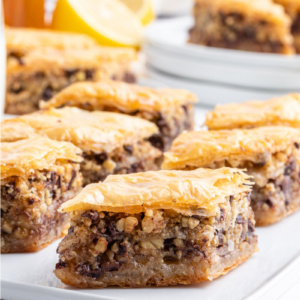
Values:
[(274, 270), (171, 35), (166, 50), (211, 93)]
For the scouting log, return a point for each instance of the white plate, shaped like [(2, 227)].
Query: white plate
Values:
[(171, 35), (284, 81), (209, 93), (30, 276)]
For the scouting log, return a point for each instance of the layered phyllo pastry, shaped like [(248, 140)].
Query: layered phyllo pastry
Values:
[(283, 110), (170, 109), (158, 228), (112, 143), (256, 25), (270, 154), (37, 176)]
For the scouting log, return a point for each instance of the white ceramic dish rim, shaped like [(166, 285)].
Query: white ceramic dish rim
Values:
[(239, 76), (159, 35)]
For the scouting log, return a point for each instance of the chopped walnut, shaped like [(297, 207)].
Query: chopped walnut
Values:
[(101, 245), (130, 223)]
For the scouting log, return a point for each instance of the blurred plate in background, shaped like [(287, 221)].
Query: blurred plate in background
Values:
[(238, 75)]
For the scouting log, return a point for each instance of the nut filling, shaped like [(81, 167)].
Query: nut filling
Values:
[(29, 216), (235, 30), (155, 247), (26, 89), (139, 157)]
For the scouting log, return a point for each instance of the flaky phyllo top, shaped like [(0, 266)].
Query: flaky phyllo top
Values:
[(265, 10), (49, 59), (205, 148), (188, 192), (95, 131), (278, 111), (22, 40), (121, 96), (40, 153)]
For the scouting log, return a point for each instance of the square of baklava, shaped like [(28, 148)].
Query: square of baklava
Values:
[(37, 176), (284, 110), (292, 8), (158, 228), (112, 143), (43, 72), (270, 154), (170, 109), (256, 25)]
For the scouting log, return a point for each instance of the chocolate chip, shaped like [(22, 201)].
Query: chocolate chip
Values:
[(71, 72), (101, 158), (231, 197), (111, 266), (190, 248), (222, 215), (129, 77), (60, 265), (89, 74), (290, 168), (297, 145), (92, 215), (122, 249), (239, 219), (269, 203), (170, 259), (74, 173), (112, 230), (137, 167), (30, 201), (168, 244), (156, 141), (128, 149), (47, 93), (162, 124), (250, 226), (71, 230), (85, 269), (196, 217)]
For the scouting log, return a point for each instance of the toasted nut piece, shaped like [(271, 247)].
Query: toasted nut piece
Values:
[(178, 242), (193, 223), (101, 245), (115, 248), (109, 165), (158, 243), (120, 224), (152, 223), (147, 245), (7, 228), (149, 213), (185, 222), (130, 223)]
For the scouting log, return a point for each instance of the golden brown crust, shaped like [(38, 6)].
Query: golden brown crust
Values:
[(20, 157), (95, 131), (204, 148), (264, 9), (122, 96), (183, 191), (22, 40), (292, 7), (45, 59), (283, 110), (14, 131)]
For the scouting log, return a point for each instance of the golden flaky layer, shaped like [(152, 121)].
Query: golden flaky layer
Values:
[(278, 111), (204, 148), (201, 190), (96, 131), (39, 153), (52, 59), (22, 40), (266, 10), (292, 7), (14, 131), (122, 96)]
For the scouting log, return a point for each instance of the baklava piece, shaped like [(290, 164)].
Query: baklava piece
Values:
[(42, 73), (158, 228), (20, 41), (111, 143), (283, 110), (170, 109), (292, 7), (257, 25), (270, 154), (37, 176)]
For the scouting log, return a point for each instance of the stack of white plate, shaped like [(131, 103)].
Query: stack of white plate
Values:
[(216, 75)]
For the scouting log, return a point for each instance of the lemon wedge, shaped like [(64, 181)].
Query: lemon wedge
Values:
[(144, 9), (110, 22)]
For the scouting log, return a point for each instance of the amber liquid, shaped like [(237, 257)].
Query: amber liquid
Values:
[(24, 13)]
